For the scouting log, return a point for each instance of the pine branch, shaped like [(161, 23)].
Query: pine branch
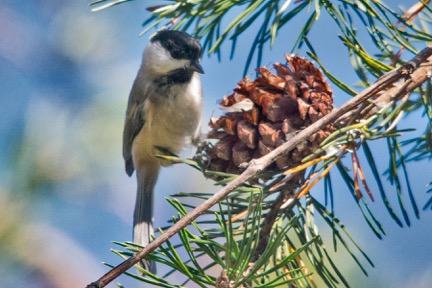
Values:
[(206, 19), (413, 74), (271, 216)]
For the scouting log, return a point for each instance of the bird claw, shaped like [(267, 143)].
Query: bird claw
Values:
[(203, 154)]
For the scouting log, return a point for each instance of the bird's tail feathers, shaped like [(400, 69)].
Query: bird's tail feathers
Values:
[(143, 214)]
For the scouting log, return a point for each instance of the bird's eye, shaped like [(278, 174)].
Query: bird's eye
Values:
[(178, 54)]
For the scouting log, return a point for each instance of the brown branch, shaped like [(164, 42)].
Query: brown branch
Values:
[(421, 72), (270, 217)]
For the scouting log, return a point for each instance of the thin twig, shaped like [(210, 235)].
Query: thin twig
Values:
[(422, 73), (271, 216)]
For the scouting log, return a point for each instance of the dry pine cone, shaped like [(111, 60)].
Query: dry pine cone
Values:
[(265, 113)]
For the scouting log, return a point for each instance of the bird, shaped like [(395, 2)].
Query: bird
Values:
[(164, 110)]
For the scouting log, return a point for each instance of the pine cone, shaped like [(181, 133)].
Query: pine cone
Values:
[(265, 113)]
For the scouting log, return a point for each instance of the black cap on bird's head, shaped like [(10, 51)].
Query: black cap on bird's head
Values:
[(181, 46)]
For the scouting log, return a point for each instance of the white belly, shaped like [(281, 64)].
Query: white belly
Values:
[(170, 124)]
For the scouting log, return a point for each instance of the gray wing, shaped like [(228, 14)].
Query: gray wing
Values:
[(134, 121)]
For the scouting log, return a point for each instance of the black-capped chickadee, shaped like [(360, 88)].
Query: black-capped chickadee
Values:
[(164, 110)]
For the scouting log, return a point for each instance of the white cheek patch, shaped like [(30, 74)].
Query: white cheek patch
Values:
[(159, 60)]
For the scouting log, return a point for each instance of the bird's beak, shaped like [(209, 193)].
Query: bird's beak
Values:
[(196, 66)]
